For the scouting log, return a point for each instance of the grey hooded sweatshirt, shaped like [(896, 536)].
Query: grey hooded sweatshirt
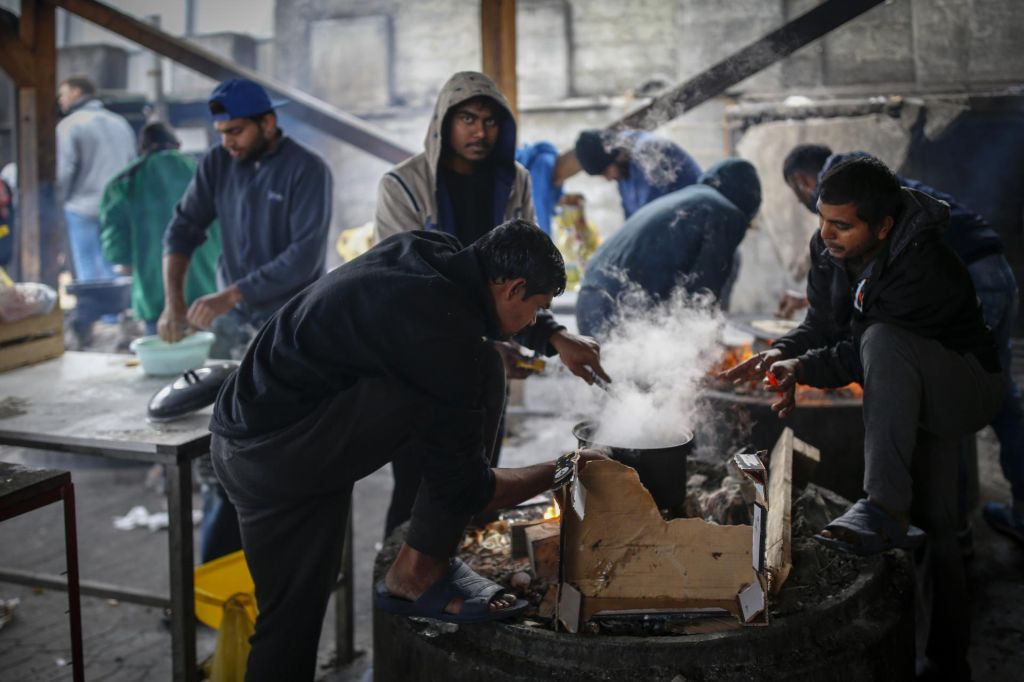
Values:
[(409, 198)]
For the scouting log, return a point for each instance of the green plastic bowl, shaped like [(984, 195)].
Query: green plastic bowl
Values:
[(160, 358)]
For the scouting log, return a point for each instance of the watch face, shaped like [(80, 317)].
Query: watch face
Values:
[(564, 467)]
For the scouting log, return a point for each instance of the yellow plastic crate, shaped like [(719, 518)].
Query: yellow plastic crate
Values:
[(217, 581)]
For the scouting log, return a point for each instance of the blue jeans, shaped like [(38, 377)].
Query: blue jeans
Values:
[(86, 252), (997, 290)]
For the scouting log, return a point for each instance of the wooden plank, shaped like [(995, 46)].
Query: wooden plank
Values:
[(41, 237), (779, 537), (15, 58), (50, 323), (624, 549), (28, 186), (303, 106), (806, 459), (498, 47), (542, 545), (31, 352)]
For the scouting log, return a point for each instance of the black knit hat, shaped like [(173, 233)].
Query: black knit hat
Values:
[(157, 135), (594, 151)]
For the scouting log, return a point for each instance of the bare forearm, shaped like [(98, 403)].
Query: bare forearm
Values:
[(175, 267), (512, 486)]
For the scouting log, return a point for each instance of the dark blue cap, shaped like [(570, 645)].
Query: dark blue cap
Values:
[(242, 98)]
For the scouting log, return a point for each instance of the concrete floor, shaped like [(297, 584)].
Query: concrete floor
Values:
[(130, 643)]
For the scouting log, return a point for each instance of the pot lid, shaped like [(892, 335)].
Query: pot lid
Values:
[(193, 390)]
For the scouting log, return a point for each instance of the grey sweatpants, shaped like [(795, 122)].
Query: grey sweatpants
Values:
[(919, 399), (292, 489)]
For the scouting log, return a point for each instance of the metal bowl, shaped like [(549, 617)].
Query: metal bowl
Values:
[(662, 470)]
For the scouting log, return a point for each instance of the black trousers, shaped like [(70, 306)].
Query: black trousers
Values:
[(292, 490), (408, 472), (919, 400)]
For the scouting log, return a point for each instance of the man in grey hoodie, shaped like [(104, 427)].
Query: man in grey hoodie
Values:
[(465, 183)]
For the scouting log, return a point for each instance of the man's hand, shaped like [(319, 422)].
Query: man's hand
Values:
[(206, 309), (511, 353), (753, 367), (122, 269), (791, 302), (173, 323), (785, 373), (581, 354)]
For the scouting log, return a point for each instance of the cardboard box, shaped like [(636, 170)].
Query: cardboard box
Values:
[(620, 556)]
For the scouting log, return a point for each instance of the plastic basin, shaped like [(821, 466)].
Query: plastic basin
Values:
[(217, 581), (160, 358)]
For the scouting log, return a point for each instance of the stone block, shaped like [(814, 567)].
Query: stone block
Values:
[(351, 61), (106, 65), (542, 50), (876, 47), (941, 40), (994, 51), (433, 41), (803, 68), (707, 36), (238, 48), (617, 46)]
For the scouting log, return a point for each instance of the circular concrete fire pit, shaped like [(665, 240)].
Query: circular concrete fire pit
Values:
[(862, 632), (832, 423)]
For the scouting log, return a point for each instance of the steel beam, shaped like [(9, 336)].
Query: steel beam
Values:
[(303, 106), (743, 64)]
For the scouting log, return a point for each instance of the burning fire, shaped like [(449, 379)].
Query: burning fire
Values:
[(733, 356), (552, 512)]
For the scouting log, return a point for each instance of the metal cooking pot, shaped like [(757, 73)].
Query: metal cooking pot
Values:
[(661, 470)]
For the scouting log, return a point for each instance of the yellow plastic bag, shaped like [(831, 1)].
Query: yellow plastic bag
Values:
[(232, 652)]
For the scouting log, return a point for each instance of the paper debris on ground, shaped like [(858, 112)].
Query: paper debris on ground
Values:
[(140, 517), (7, 607)]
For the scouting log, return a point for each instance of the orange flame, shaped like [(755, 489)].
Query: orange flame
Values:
[(552, 512)]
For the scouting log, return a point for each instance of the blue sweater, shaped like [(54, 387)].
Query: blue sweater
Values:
[(686, 238), (274, 215), (539, 159), (656, 168)]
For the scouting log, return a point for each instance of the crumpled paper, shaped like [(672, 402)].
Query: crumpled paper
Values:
[(7, 607), (140, 517)]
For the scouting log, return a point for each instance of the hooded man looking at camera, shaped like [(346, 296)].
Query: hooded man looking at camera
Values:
[(465, 183)]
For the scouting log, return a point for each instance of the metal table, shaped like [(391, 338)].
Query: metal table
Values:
[(23, 490), (95, 404)]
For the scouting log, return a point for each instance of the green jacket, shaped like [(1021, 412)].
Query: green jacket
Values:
[(137, 205)]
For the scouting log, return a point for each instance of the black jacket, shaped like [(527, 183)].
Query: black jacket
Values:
[(917, 282), (416, 309)]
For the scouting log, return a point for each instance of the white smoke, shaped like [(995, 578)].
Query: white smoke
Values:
[(657, 354)]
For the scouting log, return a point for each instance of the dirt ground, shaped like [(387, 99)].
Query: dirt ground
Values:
[(131, 643)]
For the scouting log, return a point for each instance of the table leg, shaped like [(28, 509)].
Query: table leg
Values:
[(74, 598), (183, 617), (344, 627)]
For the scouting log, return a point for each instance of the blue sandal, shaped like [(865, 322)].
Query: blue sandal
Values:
[(873, 529), (460, 581), (1003, 519)]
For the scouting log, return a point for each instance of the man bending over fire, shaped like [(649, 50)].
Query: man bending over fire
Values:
[(893, 308), (387, 353)]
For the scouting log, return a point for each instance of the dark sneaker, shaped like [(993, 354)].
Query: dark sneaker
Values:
[(1005, 520)]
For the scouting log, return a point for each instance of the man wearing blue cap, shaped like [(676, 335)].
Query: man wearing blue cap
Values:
[(272, 197)]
